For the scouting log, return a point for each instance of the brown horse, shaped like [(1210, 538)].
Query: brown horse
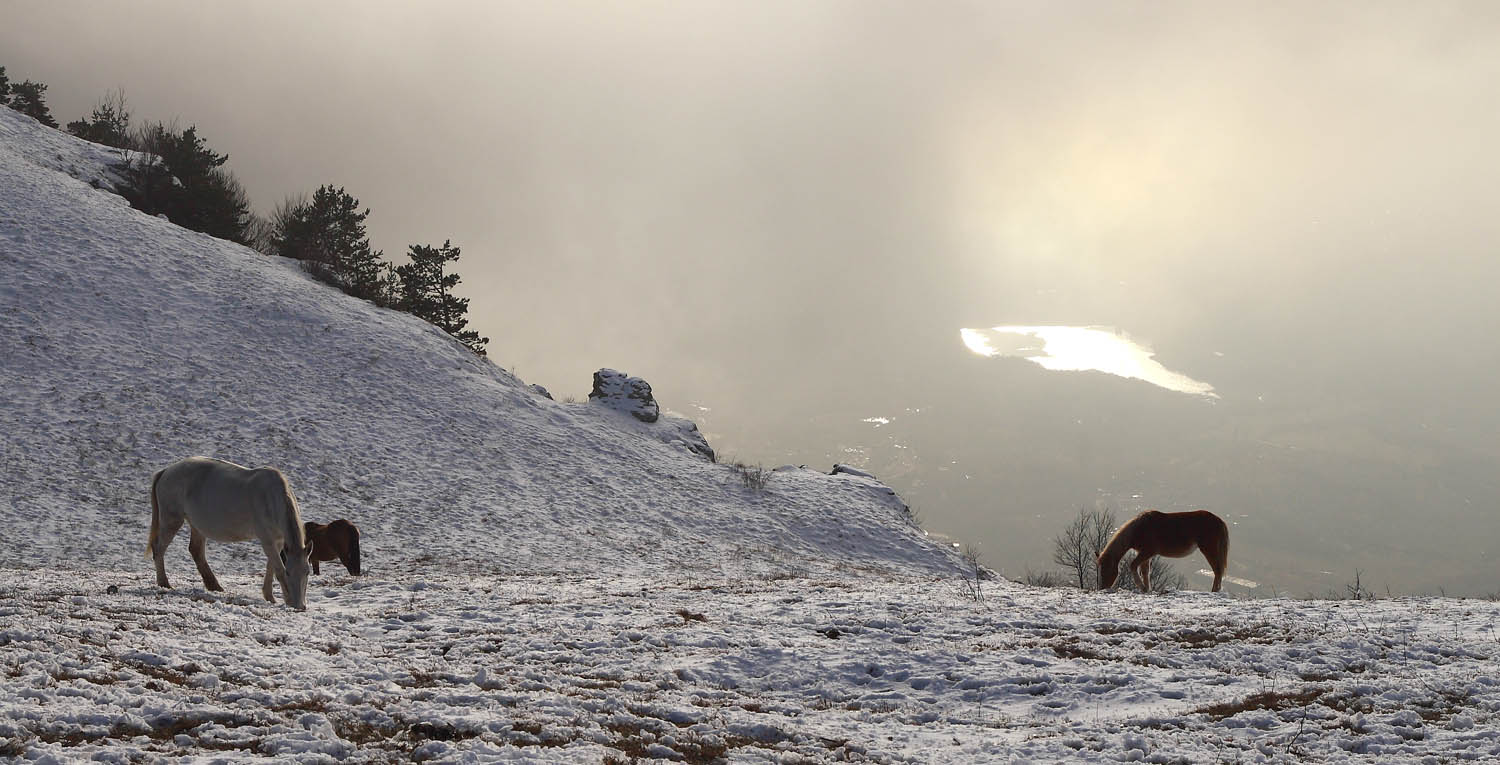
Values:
[(338, 540), (1174, 535)]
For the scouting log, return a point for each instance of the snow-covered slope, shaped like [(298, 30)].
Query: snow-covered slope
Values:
[(127, 342)]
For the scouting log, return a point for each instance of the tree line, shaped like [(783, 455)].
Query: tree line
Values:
[(168, 170)]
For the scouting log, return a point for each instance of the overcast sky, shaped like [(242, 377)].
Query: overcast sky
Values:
[(773, 205)]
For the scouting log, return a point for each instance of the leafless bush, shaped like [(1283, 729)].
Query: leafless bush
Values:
[(1043, 578), (1077, 548), (916, 516), (1356, 590), (755, 478), (970, 586), (260, 234)]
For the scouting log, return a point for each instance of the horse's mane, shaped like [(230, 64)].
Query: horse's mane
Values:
[(1122, 539), (295, 531)]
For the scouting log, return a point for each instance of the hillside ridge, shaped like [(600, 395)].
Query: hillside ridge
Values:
[(127, 342)]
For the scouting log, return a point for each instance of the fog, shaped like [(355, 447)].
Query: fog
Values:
[(782, 215)]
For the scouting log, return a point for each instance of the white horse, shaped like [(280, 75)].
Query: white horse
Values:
[(228, 503)]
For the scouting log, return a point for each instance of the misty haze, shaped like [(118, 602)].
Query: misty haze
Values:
[(781, 215), (749, 382)]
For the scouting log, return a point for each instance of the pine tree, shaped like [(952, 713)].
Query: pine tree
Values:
[(175, 174), (426, 291), (26, 98), (329, 232), (109, 123), (4, 87)]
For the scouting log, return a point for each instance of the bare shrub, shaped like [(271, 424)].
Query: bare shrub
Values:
[(259, 233), (970, 586), (1043, 579), (755, 478), (1077, 548), (1356, 590), (915, 515)]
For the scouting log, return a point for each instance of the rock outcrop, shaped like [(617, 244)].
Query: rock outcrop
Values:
[(620, 391), (632, 395)]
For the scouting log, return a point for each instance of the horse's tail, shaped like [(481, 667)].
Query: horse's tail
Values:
[(155, 517), (354, 546), (1223, 542)]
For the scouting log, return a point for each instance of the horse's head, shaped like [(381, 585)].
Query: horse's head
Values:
[(298, 564), (1107, 573)]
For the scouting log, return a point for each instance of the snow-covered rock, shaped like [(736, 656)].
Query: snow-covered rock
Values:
[(840, 468), (624, 393)]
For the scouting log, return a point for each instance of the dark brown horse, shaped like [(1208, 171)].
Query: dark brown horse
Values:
[(1174, 535), (338, 540)]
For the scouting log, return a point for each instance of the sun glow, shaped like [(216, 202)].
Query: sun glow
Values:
[(1072, 349)]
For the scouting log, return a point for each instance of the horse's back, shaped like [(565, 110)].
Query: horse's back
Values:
[(219, 498), (1206, 522), (1179, 531)]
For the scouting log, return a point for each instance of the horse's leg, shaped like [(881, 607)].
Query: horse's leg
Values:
[(1143, 572), (315, 566), (170, 523), (265, 587), (196, 543), (1135, 572), (274, 568), (272, 564), (1218, 562)]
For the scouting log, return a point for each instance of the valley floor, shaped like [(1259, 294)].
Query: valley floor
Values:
[(105, 666)]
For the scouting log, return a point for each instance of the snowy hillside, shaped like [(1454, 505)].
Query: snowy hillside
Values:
[(128, 342), (554, 582)]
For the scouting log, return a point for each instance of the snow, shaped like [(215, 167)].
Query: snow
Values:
[(570, 668), (556, 582)]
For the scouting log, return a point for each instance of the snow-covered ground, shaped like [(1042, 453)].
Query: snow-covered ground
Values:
[(539, 668), (551, 581)]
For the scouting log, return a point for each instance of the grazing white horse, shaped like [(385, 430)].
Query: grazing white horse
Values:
[(228, 503)]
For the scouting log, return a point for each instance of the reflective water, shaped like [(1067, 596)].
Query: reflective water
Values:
[(1071, 349)]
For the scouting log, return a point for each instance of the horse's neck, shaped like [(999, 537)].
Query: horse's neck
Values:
[(1123, 540), (296, 535)]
